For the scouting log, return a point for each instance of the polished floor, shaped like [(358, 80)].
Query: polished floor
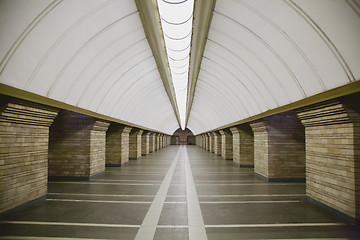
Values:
[(175, 193)]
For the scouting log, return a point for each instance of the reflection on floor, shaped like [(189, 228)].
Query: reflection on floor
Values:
[(175, 193)]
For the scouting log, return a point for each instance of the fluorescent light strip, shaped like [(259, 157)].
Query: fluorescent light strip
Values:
[(177, 30)]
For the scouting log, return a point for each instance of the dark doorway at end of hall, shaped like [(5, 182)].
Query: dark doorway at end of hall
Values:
[(183, 137)]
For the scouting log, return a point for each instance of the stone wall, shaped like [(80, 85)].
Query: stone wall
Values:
[(145, 140), (24, 136), (226, 144), (206, 137), (152, 142), (332, 131), (117, 145), (243, 146), (279, 147), (76, 146), (162, 141), (135, 144), (211, 142), (175, 140), (156, 143), (217, 143), (191, 140), (98, 147)]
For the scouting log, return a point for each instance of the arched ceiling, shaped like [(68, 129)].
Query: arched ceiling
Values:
[(247, 57), (261, 55), (90, 54)]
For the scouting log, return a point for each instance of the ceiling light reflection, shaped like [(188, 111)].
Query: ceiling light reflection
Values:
[(177, 29)]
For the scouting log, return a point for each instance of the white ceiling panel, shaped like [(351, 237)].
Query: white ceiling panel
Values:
[(91, 54), (264, 54)]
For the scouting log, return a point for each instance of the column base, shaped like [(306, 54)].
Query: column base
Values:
[(24, 205), (73, 178), (242, 165), (352, 220), (117, 165), (299, 180)]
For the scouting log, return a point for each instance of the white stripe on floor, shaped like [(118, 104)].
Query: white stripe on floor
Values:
[(105, 201), (122, 180), (95, 201), (222, 173), (275, 225), (71, 224), (251, 202), (43, 238), (259, 225), (250, 184), (195, 220), (135, 174), (148, 226), (100, 195), (108, 183), (253, 195), (172, 226)]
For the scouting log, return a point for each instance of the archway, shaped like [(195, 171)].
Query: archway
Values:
[(183, 137)]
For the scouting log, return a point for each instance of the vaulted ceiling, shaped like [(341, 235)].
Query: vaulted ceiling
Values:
[(247, 57)]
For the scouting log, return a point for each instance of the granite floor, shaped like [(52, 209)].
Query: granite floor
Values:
[(175, 193)]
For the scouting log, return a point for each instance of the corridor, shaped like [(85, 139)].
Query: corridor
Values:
[(178, 192)]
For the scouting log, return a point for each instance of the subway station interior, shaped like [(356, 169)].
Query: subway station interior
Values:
[(179, 119)]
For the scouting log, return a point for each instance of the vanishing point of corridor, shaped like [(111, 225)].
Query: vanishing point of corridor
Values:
[(179, 192)]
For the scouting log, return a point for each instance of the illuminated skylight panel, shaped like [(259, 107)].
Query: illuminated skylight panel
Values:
[(176, 22)]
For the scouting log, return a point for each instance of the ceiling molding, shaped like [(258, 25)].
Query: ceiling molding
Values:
[(150, 19)]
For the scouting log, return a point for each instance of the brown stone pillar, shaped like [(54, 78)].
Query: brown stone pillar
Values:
[(203, 141), (145, 144), (217, 143), (152, 142), (162, 141), (332, 131), (211, 142), (165, 140), (226, 144), (243, 146), (76, 146), (156, 141), (207, 145), (117, 145), (24, 136), (279, 147), (135, 144)]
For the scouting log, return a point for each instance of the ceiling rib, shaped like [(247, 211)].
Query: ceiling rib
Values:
[(203, 11)]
